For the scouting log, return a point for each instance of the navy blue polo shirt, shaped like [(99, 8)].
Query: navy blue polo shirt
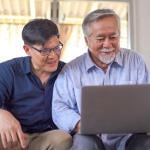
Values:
[(23, 94)]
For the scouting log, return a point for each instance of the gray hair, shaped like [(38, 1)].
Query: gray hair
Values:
[(97, 15)]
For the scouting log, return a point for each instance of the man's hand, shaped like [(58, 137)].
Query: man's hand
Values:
[(10, 131), (77, 127)]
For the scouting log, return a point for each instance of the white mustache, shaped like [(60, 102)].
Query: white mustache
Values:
[(106, 49)]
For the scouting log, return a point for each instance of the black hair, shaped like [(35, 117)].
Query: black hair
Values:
[(38, 31)]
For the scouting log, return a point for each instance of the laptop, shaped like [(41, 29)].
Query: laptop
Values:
[(115, 109)]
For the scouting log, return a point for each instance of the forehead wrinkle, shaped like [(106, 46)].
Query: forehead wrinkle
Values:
[(104, 34)]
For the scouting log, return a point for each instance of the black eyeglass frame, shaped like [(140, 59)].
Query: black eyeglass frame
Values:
[(47, 51)]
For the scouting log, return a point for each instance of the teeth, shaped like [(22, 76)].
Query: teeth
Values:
[(106, 50)]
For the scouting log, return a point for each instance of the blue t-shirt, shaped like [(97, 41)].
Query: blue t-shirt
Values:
[(22, 94)]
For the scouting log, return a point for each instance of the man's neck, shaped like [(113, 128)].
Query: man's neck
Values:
[(103, 66)]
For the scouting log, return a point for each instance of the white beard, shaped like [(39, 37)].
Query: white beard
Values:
[(107, 56)]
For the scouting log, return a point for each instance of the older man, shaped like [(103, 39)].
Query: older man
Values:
[(105, 63)]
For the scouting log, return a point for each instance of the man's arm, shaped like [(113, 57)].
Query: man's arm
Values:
[(64, 106), (143, 72), (77, 127), (10, 131), (10, 128)]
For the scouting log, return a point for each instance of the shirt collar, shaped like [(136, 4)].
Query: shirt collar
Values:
[(60, 66), (89, 62), (118, 58), (26, 65)]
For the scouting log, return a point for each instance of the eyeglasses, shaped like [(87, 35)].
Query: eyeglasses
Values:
[(47, 51)]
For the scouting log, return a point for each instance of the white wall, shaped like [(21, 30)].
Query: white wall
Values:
[(140, 31)]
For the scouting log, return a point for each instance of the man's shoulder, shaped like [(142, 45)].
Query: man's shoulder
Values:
[(78, 61), (130, 57), (75, 66), (130, 53), (13, 63)]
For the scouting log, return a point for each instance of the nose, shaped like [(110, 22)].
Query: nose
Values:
[(51, 54), (107, 42)]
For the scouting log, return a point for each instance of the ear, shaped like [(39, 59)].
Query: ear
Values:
[(86, 40), (27, 49)]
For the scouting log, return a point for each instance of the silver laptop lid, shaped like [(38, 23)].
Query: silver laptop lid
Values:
[(115, 109)]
